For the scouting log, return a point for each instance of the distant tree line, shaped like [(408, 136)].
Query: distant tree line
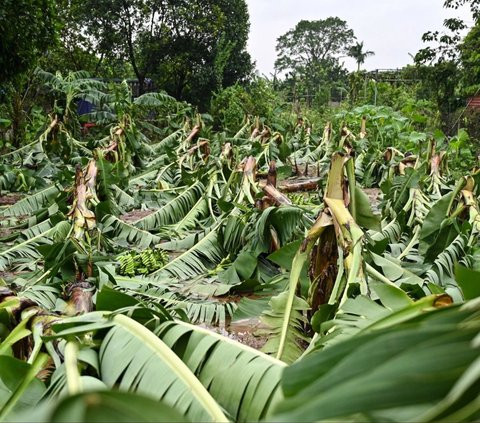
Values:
[(310, 56), (195, 48), (189, 48), (450, 65)]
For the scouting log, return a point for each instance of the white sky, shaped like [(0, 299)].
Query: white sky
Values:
[(390, 28)]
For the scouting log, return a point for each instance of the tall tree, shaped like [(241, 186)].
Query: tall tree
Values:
[(236, 29), (84, 44), (190, 47), (195, 30), (120, 29), (440, 65), (470, 61), (357, 52), (447, 42), (311, 52), (207, 50), (27, 29)]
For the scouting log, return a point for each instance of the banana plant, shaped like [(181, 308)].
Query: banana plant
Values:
[(335, 264)]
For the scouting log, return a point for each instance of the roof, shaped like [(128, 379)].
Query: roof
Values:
[(473, 102)]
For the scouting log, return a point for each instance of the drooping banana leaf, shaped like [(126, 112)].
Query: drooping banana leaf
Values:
[(19, 388), (206, 252), (31, 204), (166, 142), (101, 406), (285, 343), (26, 247), (198, 308), (174, 211), (244, 381), (115, 228), (190, 220), (134, 359), (393, 270), (363, 315), (400, 373)]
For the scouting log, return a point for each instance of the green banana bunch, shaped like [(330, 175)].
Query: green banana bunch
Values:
[(127, 264), (142, 263)]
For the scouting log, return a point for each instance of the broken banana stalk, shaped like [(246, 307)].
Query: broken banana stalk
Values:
[(272, 174), (348, 242), (193, 134), (276, 196), (308, 185), (79, 293), (249, 186), (270, 189), (80, 298), (83, 218)]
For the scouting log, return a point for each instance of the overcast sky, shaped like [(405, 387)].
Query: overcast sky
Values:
[(390, 28)]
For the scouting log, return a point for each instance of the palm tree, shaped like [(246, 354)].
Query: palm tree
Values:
[(356, 51)]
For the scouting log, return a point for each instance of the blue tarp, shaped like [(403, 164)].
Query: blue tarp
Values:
[(84, 107)]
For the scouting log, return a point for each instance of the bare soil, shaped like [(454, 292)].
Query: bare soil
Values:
[(246, 332), (5, 232), (243, 331), (9, 199), (135, 215)]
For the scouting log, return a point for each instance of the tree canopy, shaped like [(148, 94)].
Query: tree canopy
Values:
[(313, 43), (189, 48), (27, 29), (311, 52), (447, 42), (470, 60), (448, 67)]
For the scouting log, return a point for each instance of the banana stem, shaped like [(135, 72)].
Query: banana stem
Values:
[(377, 275), (410, 245)]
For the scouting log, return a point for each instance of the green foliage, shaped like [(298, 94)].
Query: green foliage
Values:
[(233, 105), (21, 389), (102, 406), (449, 68), (470, 119), (380, 367), (470, 59), (359, 54), (310, 52), (36, 22), (448, 41), (356, 293), (189, 48), (468, 281), (294, 338), (257, 376), (318, 40)]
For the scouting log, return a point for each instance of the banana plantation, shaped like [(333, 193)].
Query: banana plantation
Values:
[(157, 267)]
